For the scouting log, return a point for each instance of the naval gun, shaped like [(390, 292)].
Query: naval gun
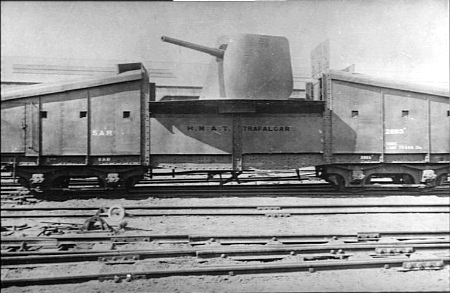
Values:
[(211, 51), (246, 66)]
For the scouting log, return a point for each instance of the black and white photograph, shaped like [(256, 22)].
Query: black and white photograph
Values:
[(225, 146)]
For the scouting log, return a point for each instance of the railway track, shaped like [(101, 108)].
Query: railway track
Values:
[(244, 191), (129, 275), (404, 250), (226, 210), (249, 187), (324, 252), (125, 254), (227, 239)]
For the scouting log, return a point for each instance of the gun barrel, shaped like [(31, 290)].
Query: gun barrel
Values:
[(212, 51)]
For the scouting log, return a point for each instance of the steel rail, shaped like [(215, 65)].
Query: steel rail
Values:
[(403, 237), (189, 191), (236, 206), (228, 270), (242, 212), (201, 192), (264, 189), (12, 258)]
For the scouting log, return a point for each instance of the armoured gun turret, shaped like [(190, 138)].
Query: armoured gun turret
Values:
[(246, 66)]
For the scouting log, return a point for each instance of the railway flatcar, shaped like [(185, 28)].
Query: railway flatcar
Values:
[(357, 130)]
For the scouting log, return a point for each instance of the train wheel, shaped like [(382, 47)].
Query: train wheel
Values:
[(337, 180), (24, 182), (441, 180), (61, 182), (398, 179), (131, 182)]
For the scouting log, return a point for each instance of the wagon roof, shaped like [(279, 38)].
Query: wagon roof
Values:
[(387, 83), (69, 85)]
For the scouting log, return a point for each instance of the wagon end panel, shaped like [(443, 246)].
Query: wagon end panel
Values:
[(406, 123), (115, 124), (13, 127), (356, 122), (64, 127), (416, 127), (440, 129)]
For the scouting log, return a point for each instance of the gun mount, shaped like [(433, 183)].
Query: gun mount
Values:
[(247, 66)]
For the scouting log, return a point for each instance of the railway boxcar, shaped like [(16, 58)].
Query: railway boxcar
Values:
[(89, 128), (376, 127)]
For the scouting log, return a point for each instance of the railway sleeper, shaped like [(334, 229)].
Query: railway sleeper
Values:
[(277, 215), (392, 251), (421, 265), (363, 236), (113, 260), (123, 240)]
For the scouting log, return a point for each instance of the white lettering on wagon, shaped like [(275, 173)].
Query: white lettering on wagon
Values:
[(226, 128), (392, 145), (102, 132), (395, 131), (366, 157)]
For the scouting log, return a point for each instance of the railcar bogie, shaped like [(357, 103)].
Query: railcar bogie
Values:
[(360, 176)]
